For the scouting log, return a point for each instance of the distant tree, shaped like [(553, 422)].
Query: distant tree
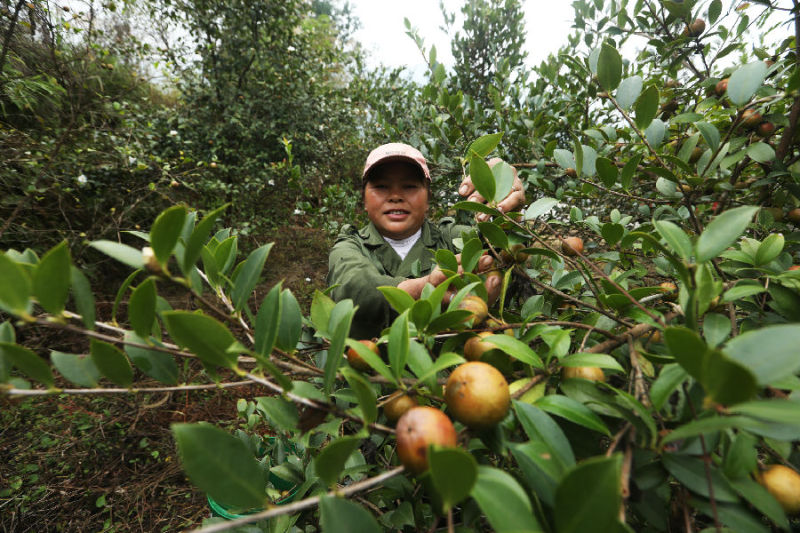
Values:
[(493, 31)]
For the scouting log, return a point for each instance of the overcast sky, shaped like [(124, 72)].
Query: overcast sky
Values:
[(383, 33)]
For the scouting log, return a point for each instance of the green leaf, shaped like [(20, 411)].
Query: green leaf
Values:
[(781, 411), (539, 426), (83, 297), (612, 233), (249, 275), (646, 107), (112, 363), (770, 353), (121, 252), (607, 171), (321, 307), (573, 411), (399, 299), (454, 472), (762, 500), (28, 362), (516, 349), (628, 91), (221, 465), (421, 313), (51, 279), (281, 413), (372, 359), (692, 474), (540, 207), (592, 359), (769, 249), (158, 365), (589, 496), (331, 460), (484, 145), (165, 232), (504, 502), (15, 286), (742, 290), (714, 10), (743, 83), (709, 133), (482, 177), (364, 392), (655, 132), (341, 320), (448, 320), (628, 171), (268, 322), (79, 369), (761, 152), (470, 255), (338, 515), (291, 322), (676, 239), (723, 231), (198, 238), (688, 349), (476, 207), (142, 308), (494, 234), (609, 67), (564, 158), (444, 360), (504, 179), (202, 335), (398, 344), (716, 328)]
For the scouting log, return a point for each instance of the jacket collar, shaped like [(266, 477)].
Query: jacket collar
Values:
[(374, 239)]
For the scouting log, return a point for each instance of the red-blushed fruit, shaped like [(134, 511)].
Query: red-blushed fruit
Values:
[(397, 406), (571, 172), (794, 215), (784, 485), (721, 87), (356, 361), (417, 429), (765, 129), (794, 267), (475, 347), (572, 246), (592, 373), (477, 395), (476, 306), (751, 118), (695, 29)]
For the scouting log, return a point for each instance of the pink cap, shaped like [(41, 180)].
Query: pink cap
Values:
[(396, 152)]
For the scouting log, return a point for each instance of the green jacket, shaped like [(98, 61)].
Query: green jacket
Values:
[(361, 260)]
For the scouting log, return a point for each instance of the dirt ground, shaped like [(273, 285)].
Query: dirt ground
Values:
[(108, 463)]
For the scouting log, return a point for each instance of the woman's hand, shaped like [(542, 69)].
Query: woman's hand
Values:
[(515, 198)]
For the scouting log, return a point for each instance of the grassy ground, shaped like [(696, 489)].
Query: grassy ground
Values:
[(108, 463)]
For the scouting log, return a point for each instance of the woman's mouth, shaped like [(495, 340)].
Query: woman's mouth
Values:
[(396, 214)]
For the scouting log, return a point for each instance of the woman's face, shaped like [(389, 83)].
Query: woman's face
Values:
[(396, 200)]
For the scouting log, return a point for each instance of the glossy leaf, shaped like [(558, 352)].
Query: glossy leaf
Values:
[(15, 286), (268, 321), (165, 232), (454, 472), (367, 400), (112, 363), (607, 171), (504, 179), (374, 360), (723, 231), (540, 207), (609, 67), (202, 335), (539, 426), (83, 297), (770, 353), (142, 308), (51, 279), (691, 473), (338, 515), (761, 152), (628, 91), (198, 238), (592, 359), (158, 365), (769, 249), (398, 344), (399, 299), (573, 411), (485, 145), (331, 460), (688, 349), (589, 496), (280, 413), (646, 107), (79, 369), (676, 239), (221, 465), (494, 234), (249, 275), (743, 83), (28, 362), (503, 501), (340, 321), (516, 349), (291, 326), (482, 177), (121, 252)]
